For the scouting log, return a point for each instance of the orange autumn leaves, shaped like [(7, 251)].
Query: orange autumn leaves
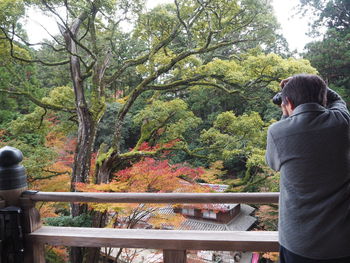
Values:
[(151, 175)]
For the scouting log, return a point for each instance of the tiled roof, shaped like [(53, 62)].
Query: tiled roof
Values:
[(220, 207), (193, 224), (243, 221), (216, 187)]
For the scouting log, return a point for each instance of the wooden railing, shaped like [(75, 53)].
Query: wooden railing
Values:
[(174, 243)]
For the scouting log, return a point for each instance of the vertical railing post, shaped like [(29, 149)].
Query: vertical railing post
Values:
[(174, 256), (13, 179), (13, 182), (34, 252)]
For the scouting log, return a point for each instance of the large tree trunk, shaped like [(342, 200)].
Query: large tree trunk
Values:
[(99, 220), (86, 129), (82, 158)]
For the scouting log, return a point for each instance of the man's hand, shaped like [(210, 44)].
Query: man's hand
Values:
[(284, 110), (283, 106), (284, 82)]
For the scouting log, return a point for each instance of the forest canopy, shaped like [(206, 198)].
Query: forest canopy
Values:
[(185, 89)]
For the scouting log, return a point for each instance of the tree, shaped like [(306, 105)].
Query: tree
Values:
[(174, 38), (331, 55), (147, 175), (169, 50)]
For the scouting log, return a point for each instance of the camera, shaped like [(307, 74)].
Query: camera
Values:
[(277, 99)]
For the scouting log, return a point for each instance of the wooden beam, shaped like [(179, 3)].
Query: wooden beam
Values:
[(248, 198), (174, 256), (31, 216), (157, 239)]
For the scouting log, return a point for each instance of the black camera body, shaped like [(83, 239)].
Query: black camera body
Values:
[(277, 99)]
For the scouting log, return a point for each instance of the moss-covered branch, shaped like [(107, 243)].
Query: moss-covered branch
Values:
[(37, 101)]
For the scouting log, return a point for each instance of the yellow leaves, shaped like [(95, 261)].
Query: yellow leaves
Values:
[(230, 69), (5, 52), (29, 123), (47, 211), (11, 10), (61, 96), (236, 135), (275, 67), (109, 187), (161, 220), (273, 256), (122, 100), (58, 183), (172, 117), (55, 140), (213, 174)]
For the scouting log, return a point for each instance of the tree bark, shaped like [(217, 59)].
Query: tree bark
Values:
[(99, 220), (86, 125)]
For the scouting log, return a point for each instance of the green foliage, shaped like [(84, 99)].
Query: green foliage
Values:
[(10, 11), (52, 257), (30, 123), (331, 55), (83, 220), (252, 79), (236, 136), (133, 78), (37, 156), (163, 121), (243, 139)]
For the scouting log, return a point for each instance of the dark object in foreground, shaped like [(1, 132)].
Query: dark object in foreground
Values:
[(11, 235), (277, 99)]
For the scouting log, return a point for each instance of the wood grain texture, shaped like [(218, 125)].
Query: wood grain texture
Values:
[(38, 253), (174, 256), (158, 239), (34, 252), (248, 198), (31, 217)]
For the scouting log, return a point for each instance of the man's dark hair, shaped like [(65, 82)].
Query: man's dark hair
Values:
[(305, 88)]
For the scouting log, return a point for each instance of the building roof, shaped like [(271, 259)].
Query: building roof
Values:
[(215, 207), (243, 221), (216, 187)]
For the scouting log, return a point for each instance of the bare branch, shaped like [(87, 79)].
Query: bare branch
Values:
[(136, 155), (174, 84), (12, 53), (143, 59), (42, 118), (53, 174), (71, 31), (216, 86)]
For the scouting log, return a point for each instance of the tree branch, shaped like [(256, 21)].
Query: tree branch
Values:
[(75, 26), (144, 58), (53, 174), (38, 102), (12, 53)]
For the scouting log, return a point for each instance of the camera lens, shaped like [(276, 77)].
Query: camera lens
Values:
[(277, 99)]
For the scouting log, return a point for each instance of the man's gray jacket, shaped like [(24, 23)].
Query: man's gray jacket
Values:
[(311, 148)]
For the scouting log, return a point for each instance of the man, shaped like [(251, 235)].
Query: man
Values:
[(311, 148)]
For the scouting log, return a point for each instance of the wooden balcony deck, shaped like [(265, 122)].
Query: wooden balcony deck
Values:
[(173, 243)]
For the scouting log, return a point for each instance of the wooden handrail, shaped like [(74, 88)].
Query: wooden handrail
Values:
[(157, 239), (174, 243), (248, 198)]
